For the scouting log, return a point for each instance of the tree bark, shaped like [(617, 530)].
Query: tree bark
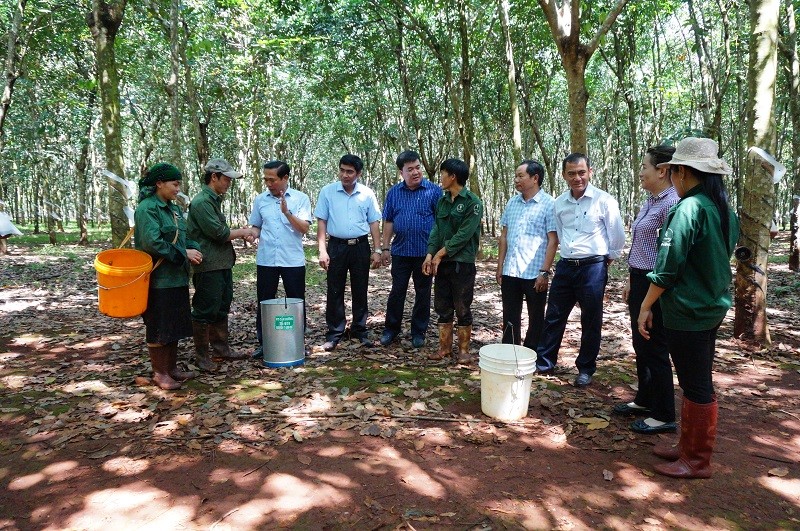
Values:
[(564, 22), (791, 54), (104, 21), (516, 134), (758, 198)]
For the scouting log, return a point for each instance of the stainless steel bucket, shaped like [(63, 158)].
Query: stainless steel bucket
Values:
[(282, 330)]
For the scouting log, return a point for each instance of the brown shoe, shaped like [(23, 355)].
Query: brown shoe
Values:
[(159, 359), (218, 337), (201, 353), (698, 434), (464, 336), (174, 371), (445, 342)]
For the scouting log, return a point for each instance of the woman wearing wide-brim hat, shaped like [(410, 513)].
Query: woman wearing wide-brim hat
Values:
[(691, 280)]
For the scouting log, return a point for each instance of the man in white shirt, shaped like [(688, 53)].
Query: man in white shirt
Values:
[(281, 217), (591, 236)]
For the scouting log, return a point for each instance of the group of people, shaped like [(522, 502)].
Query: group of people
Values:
[(677, 292)]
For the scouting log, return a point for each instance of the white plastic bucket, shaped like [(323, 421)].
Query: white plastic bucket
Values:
[(506, 372)]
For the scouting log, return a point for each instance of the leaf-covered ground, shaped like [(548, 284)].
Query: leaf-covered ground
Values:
[(361, 438)]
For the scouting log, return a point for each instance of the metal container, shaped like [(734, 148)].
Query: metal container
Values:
[(282, 330)]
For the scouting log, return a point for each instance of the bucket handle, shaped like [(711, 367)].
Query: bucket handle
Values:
[(517, 373), (124, 285)]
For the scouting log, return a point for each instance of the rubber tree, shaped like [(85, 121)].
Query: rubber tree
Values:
[(104, 21), (565, 18), (758, 198)]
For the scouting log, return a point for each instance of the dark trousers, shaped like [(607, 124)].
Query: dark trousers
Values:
[(355, 260), (213, 293), (693, 356), (294, 284), (404, 268), (586, 285), (453, 292), (652, 356), (512, 291)]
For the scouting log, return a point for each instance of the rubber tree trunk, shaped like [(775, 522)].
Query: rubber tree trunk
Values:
[(758, 197), (104, 21)]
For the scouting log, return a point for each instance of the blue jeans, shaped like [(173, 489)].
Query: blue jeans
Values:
[(586, 285), (403, 269), (294, 284)]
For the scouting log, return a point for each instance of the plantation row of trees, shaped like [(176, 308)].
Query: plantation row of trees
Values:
[(96, 91)]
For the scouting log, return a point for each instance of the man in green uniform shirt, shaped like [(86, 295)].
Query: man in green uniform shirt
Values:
[(452, 247), (213, 278)]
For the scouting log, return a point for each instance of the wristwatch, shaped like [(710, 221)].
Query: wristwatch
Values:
[(377, 250), (544, 273)]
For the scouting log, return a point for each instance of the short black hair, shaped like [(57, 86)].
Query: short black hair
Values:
[(405, 157), (534, 168), (660, 153), (574, 158), (458, 168), (282, 167), (208, 175), (352, 160)]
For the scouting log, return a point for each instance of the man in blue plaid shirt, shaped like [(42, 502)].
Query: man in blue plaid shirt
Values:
[(526, 250), (408, 215)]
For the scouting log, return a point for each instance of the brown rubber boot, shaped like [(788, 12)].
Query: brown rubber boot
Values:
[(218, 336), (445, 342), (464, 335), (159, 359), (201, 355), (698, 433), (174, 371), (668, 451)]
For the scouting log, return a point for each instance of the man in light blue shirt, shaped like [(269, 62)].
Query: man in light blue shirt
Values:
[(348, 212), (526, 250), (281, 217)]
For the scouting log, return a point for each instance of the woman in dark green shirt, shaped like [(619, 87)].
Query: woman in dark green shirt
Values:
[(691, 279), (161, 232)]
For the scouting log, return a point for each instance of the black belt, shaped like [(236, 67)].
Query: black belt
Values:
[(639, 272), (583, 261), (349, 241)]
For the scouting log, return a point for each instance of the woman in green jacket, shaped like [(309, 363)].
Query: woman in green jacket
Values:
[(161, 232), (691, 279)]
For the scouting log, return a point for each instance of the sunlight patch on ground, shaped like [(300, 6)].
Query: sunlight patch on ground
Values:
[(788, 488), (126, 466), (130, 504), (86, 387), (636, 484), (282, 497), (14, 381), (53, 473)]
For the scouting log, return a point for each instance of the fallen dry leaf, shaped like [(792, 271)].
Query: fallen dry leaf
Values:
[(779, 471)]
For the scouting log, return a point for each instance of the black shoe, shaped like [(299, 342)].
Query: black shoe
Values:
[(626, 409), (387, 338), (258, 354), (328, 346), (640, 426), (582, 380), (366, 342), (418, 341), (545, 372)]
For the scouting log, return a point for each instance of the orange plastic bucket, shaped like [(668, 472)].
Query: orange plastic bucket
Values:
[(123, 276)]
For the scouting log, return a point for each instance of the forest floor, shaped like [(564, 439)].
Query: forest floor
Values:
[(358, 438)]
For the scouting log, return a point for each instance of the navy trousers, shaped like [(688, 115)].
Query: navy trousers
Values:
[(586, 285), (404, 268)]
